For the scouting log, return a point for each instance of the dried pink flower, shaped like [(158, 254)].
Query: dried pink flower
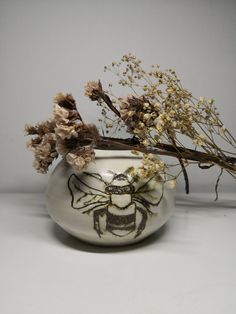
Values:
[(44, 149), (94, 90), (81, 158), (64, 131), (60, 114), (40, 128), (65, 101), (131, 109)]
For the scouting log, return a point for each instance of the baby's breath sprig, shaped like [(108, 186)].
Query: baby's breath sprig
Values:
[(159, 112)]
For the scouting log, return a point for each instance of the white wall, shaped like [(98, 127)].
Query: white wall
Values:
[(51, 46)]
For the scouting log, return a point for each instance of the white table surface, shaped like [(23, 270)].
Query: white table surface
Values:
[(189, 266)]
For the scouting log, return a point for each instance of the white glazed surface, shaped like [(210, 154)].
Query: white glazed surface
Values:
[(81, 225)]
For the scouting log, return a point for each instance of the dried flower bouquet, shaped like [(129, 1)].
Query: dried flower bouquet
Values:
[(158, 113)]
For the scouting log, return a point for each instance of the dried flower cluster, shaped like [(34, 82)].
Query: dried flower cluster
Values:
[(150, 165), (94, 90), (43, 144), (64, 135), (158, 113), (160, 109)]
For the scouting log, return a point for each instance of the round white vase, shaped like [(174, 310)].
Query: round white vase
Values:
[(104, 205)]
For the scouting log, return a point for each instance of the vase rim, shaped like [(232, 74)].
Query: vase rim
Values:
[(108, 153)]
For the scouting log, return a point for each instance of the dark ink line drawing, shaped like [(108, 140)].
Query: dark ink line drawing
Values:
[(119, 215)]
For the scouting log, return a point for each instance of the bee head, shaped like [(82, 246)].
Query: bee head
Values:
[(120, 185)]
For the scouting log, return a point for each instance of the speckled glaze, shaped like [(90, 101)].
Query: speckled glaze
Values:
[(103, 205)]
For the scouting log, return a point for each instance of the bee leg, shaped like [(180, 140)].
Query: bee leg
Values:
[(142, 224), (96, 222)]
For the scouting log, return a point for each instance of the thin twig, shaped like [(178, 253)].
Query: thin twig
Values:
[(217, 183), (109, 103), (185, 174)]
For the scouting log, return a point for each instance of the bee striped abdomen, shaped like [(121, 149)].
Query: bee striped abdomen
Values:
[(116, 223), (121, 221)]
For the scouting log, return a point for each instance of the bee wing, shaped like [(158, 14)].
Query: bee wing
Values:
[(83, 194), (151, 192)]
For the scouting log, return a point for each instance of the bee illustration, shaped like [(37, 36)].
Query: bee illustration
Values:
[(117, 205)]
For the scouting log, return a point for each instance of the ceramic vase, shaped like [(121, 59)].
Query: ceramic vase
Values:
[(105, 205)]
